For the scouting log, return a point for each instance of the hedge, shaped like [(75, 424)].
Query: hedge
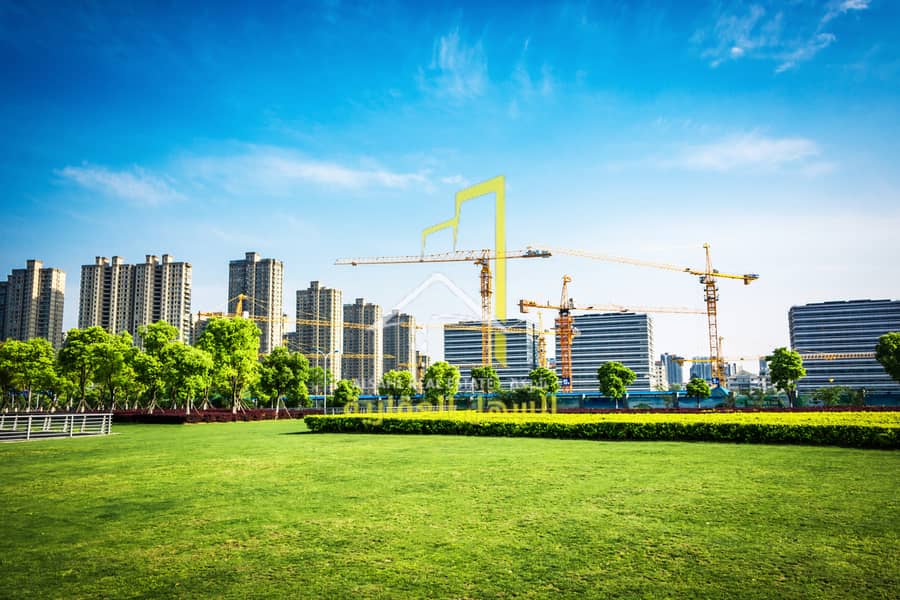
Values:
[(697, 430)]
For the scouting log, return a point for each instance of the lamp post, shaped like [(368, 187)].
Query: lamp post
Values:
[(325, 374)]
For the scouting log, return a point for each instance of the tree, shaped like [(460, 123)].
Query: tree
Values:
[(441, 382), (30, 365), (785, 368), (156, 336), (148, 372), (697, 388), (544, 378), (614, 379), (831, 395), (78, 359), (186, 371), (284, 373), (887, 351), (346, 391), (320, 378), (113, 364), (396, 384), (485, 379), (234, 347)]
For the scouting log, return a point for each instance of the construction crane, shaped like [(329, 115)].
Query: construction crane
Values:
[(565, 330), (481, 258), (708, 279)]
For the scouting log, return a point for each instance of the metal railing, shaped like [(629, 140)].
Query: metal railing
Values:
[(41, 425)]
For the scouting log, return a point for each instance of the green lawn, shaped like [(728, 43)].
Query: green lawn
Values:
[(252, 510)]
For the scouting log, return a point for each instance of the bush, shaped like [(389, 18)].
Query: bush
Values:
[(824, 430)]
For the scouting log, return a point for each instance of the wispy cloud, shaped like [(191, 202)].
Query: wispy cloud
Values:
[(135, 185), (837, 8), (747, 151), (786, 33), (457, 70)]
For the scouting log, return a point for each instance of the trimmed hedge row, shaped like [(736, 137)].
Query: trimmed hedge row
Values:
[(852, 436)]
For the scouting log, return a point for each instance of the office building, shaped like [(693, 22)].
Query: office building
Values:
[(462, 348), (31, 304), (320, 327), (842, 327), (622, 337), (122, 297), (400, 343), (363, 356), (261, 281), (674, 366)]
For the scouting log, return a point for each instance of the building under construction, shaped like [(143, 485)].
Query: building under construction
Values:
[(463, 349)]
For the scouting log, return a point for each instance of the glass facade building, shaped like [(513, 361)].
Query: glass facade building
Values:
[(843, 326), (462, 348)]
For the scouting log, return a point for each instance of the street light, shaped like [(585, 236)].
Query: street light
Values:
[(325, 374)]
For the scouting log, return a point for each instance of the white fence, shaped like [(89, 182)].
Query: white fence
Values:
[(33, 426)]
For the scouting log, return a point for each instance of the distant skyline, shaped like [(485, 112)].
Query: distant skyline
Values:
[(332, 129)]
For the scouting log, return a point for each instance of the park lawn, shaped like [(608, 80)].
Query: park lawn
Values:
[(262, 509)]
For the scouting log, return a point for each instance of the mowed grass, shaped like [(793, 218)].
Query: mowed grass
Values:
[(262, 510)]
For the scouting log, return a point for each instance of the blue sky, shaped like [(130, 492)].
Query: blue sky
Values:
[(315, 131)]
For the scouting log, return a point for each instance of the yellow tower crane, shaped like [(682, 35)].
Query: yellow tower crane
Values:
[(708, 278), (565, 331), (482, 258)]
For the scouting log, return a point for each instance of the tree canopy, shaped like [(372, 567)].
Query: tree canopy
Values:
[(79, 357), (614, 379), (698, 389), (785, 369), (544, 378), (441, 382), (887, 352), (284, 374), (485, 379), (396, 384), (234, 347), (345, 392)]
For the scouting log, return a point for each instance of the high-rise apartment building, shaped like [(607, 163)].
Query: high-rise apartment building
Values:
[(31, 304), (462, 348), (841, 327), (674, 367), (122, 297), (320, 326), (363, 356), (261, 281), (622, 337), (702, 369), (400, 343), (660, 376)]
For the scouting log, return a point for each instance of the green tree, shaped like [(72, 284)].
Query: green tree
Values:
[(30, 365), (113, 370), (78, 359), (544, 378), (148, 371), (441, 382), (831, 395), (785, 369), (156, 336), (320, 379), (346, 391), (396, 384), (485, 379), (697, 388), (186, 371), (234, 347), (284, 373), (614, 379), (887, 351)]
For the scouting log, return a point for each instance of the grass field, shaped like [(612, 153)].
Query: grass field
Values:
[(253, 510)]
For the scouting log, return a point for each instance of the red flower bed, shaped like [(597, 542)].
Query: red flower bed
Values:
[(177, 417)]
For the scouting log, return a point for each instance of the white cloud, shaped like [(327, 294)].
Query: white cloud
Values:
[(837, 8), (787, 34), (457, 70), (748, 151), (806, 51), (135, 185)]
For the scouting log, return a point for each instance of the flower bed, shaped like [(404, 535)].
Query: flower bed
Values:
[(851, 429), (177, 417)]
